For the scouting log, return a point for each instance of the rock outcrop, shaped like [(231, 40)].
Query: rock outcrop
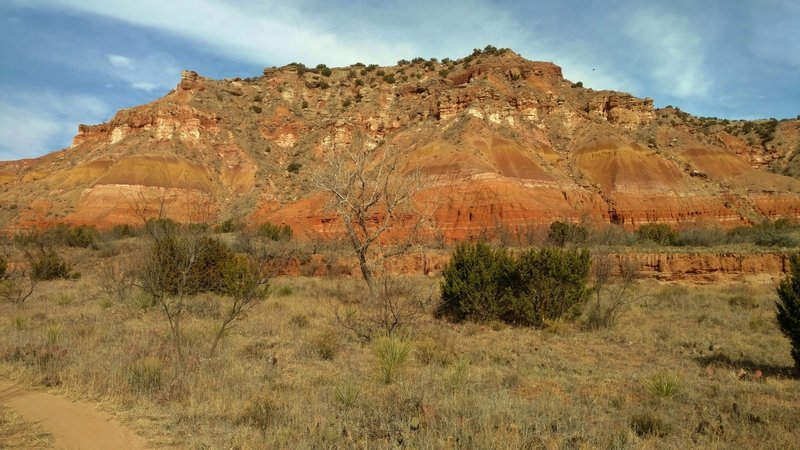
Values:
[(505, 143)]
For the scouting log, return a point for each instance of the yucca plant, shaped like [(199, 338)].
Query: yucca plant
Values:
[(392, 353)]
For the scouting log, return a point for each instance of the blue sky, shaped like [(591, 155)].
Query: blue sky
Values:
[(65, 62)]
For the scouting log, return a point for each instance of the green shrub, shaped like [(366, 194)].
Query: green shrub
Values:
[(3, 266), (563, 233), (552, 284), (294, 167), (81, 236), (485, 284), (659, 233), (477, 282), (274, 232), (768, 233), (229, 226), (48, 265), (788, 306), (123, 230), (699, 237)]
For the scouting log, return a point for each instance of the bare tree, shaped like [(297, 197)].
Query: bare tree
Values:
[(611, 296), (17, 286), (371, 191), (398, 303), (16, 283)]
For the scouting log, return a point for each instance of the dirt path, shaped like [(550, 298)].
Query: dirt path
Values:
[(74, 425)]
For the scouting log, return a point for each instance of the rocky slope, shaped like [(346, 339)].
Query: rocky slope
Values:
[(503, 142)]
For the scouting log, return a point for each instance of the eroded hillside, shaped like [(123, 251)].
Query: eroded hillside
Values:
[(503, 141)]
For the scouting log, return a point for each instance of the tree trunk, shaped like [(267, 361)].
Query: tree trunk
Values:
[(366, 272)]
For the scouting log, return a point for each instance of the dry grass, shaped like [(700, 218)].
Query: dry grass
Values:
[(16, 432), (665, 376)]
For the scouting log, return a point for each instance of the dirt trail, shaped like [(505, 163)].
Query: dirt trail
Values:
[(74, 425)]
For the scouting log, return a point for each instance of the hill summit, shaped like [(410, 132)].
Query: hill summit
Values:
[(506, 142)]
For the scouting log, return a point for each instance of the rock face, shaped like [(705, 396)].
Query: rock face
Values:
[(505, 143)]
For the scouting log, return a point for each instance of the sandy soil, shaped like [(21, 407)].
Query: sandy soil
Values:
[(74, 425)]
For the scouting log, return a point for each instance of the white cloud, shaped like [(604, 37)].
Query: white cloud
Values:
[(119, 61), (144, 85), (270, 31), (154, 71), (673, 52), (33, 123)]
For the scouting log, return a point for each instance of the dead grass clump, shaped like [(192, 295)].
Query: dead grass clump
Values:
[(326, 344), (16, 432), (648, 424), (146, 374), (260, 412)]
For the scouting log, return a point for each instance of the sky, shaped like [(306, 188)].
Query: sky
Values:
[(67, 62)]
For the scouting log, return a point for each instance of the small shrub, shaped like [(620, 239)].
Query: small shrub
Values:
[(767, 234), (646, 424), (123, 231), (477, 282), (81, 236), (3, 266), (664, 386), (326, 72), (256, 109), (392, 353), (326, 345), (229, 226), (304, 105), (201, 257), (49, 266), (294, 167), (283, 291), (146, 374), (699, 237), (347, 394), (563, 233), (788, 307), (260, 412), (299, 321), (274, 232), (659, 233)]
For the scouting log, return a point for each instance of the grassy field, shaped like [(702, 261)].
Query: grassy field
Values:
[(685, 366)]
